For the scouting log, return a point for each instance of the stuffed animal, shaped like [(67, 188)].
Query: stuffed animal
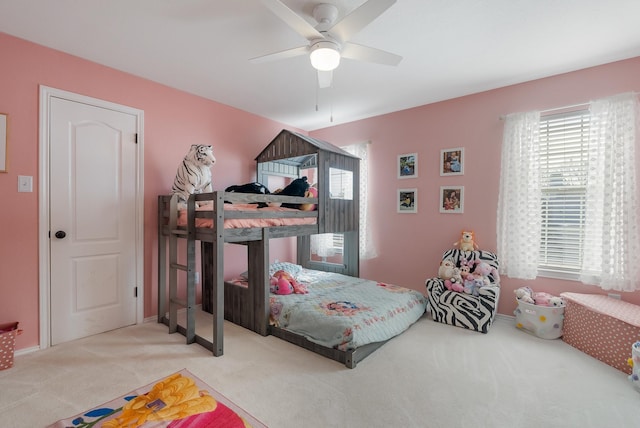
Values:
[(255, 188), (524, 294), (451, 275), (542, 299), (283, 283), (455, 282), (445, 271), (556, 301), (465, 269), (466, 241), (193, 174), (312, 192), (485, 269), (473, 285), (297, 187), (280, 286)]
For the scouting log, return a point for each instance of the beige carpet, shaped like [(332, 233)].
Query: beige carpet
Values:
[(433, 375)]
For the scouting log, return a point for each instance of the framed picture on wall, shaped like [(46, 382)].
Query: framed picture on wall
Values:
[(452, 199), (452, 161), (407, 200), (407, 165)]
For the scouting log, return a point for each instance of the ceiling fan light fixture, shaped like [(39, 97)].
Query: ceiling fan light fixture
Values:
[(325, 56)]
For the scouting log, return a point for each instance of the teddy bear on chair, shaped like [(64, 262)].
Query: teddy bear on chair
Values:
[(451, 275), (466, 241)]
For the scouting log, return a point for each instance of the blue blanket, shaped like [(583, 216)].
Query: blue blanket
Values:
[(345, 312)]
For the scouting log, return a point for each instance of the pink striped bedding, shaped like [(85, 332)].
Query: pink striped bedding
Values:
[(232, 223)]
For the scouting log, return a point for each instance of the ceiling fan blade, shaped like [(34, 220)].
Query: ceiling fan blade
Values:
[(289, 53), (368, 54), (292, 19), (324, 79), (359, 18)]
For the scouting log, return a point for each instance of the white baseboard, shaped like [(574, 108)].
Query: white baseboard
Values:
[(25, 351)]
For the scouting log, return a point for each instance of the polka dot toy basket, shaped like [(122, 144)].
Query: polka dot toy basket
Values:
[(8, 333), (542, 321)]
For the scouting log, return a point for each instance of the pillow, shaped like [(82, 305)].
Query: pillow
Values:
[(291, 268)]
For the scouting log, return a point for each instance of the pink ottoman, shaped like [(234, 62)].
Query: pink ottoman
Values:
[(602, 327)]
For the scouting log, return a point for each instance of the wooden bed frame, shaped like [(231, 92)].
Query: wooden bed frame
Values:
[(287, 155)]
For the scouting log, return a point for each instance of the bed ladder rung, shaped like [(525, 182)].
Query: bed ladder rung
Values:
[(180, 232), (180, 302), (178, 266)]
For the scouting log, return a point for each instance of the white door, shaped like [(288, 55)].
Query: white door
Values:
[(92, 216)]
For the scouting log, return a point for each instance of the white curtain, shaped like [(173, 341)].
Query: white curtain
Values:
[(519, 222), (322, 245), (611, 257), (367, 246)]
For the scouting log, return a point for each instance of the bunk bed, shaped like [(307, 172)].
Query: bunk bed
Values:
[(288, 155)]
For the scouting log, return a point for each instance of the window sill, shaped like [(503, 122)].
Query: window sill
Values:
[(555, 274)]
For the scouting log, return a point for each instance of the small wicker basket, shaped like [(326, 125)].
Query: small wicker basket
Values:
[(8, 333)]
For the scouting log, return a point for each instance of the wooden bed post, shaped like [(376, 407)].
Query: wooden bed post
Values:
[(258, 253), (217, 263), (162, 261)]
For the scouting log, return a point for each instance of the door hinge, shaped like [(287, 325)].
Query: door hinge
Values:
[(136, 138), (135, 291)]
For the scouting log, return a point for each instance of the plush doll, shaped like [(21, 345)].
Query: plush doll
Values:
[(445, 271), (485, 269), (297, 187), (194, 174), (472, 285), (466, 241), (311, 193), (280, 286), (451, 275), (455, 282), (556, 301), (283, 283), (524, 294), (465, 269), (542, 299), (255, 188)]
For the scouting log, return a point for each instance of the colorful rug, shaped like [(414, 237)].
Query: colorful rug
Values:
[(178, 401)]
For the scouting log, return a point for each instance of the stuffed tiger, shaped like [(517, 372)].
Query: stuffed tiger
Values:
[(194, 174)]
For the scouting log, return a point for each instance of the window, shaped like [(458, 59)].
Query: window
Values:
[(567, 206), (563, 145)]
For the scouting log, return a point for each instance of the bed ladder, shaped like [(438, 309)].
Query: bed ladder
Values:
[(175, 302), (189, 303)]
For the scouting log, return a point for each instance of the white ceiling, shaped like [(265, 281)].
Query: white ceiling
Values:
[(450, 48)]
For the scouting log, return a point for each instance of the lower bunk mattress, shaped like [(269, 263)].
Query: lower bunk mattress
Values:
[(344, 312)]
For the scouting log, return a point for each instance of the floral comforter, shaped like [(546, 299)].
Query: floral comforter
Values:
[(345, 312)]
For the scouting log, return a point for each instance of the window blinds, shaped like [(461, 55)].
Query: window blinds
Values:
[(563, 174)]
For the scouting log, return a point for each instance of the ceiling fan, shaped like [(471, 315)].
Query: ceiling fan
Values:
[(329, 40)]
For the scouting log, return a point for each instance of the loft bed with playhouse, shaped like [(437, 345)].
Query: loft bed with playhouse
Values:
[(329, 310)]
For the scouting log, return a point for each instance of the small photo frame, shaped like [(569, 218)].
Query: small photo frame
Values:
[(407, 200), (452, 199), (408, 165), (452, 161)]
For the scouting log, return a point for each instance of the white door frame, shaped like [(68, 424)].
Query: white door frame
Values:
[(44, 255)]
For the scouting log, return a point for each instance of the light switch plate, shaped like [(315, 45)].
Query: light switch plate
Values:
[(25, 183)]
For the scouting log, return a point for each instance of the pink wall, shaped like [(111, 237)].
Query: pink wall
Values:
[(410, 245), (173, 121)]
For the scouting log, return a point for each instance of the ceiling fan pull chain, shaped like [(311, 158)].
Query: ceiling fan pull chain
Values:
[(331, 104)]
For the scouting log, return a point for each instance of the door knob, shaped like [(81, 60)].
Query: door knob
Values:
[(60, 234)]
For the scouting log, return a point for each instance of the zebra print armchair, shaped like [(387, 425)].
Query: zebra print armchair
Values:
[(465, 310)]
